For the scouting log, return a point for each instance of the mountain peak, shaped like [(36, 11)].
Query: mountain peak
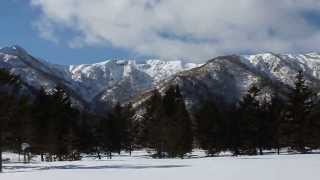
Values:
[(119, 80), (13, 50)]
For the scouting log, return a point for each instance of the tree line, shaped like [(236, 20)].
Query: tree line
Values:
[(56, 130), (256, 124)]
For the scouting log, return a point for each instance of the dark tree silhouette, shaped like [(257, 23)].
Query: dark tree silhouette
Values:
[(249, 108), (8, 83), (300, 104), (210, 129)]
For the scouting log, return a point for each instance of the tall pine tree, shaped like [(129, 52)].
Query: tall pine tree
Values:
[(152, 127), (210, 130), (8, 83), (249, 108), (299, 107), (178, 127)]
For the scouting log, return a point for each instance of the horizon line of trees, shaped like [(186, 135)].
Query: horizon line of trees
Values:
[(55, 130)]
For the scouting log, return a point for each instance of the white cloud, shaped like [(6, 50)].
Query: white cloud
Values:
[(197, 29), (46, 30)]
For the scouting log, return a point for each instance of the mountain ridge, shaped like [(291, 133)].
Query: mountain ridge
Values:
[(112, 81), (90, 83)]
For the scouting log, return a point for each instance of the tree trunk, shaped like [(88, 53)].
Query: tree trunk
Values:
[(236, 151), (130, 151), (29, 157), (260, 151), (99, 156), (110, 155), (19, 154), (24, 157), (0, 150), (0, 147)]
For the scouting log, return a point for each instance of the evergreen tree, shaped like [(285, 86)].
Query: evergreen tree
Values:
[(178, 128), (55, 120), (265, 125), (8, 83), (276, 114), (86, 132), (40, 123), (20, 124), (166, 127), (102, 137), (249, 108), (113, 132), (233, 138), (63, 123), (210, 129), (313, 140), (117, 123), (128, 129), (152, 127), (72, 142), (299, 107)]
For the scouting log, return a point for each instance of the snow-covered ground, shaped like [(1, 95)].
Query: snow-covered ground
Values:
[(141, 167)]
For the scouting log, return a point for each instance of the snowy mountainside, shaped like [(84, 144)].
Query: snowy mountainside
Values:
[(228, 78), (111, 81), (36, 73)]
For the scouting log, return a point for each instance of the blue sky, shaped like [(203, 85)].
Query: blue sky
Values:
[(17, 19), (83, 31)]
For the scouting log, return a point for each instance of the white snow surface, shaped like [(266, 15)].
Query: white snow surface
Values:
[(141, 167)]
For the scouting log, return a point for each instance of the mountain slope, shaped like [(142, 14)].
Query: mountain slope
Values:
[(88, 84), (36, 74), (224, 78)]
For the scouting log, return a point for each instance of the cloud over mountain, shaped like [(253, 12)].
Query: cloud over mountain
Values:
[(197, 29)]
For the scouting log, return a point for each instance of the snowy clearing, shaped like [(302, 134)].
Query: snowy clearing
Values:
[(141, 167)]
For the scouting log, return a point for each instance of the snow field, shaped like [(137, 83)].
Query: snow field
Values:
[(142, 167)]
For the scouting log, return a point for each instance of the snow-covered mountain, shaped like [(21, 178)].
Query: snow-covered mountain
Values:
[(118, 80), (109, 81), (227, 77)]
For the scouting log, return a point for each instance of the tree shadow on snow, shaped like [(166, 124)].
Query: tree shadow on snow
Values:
[(22, 168), (113, 167)]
